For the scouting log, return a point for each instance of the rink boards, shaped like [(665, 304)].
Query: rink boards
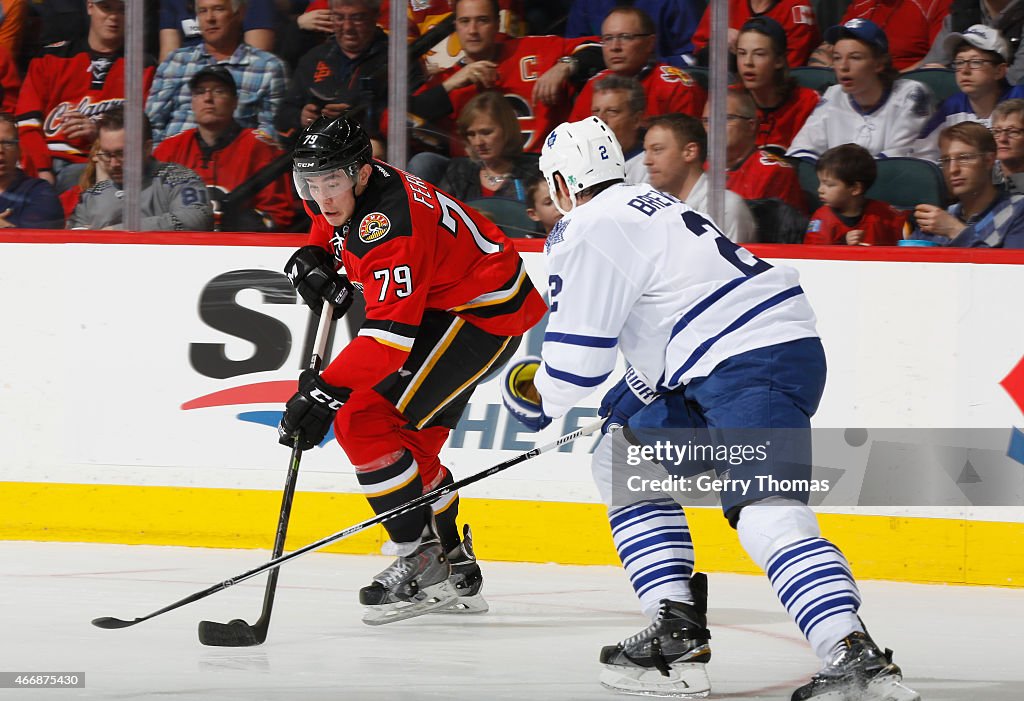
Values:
[(144, 376)]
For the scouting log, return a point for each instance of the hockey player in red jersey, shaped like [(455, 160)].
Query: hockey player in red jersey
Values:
[(447, 301)]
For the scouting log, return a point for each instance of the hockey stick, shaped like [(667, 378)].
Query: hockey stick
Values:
[(111, 623), (238, 633)]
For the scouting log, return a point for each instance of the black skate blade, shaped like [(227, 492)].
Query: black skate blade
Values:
[(110, 623), (236, 633)]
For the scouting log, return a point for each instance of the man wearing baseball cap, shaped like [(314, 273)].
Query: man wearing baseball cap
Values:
[(918, 22), (225, 155), (871, 106), (980, 57), (1006, 15)]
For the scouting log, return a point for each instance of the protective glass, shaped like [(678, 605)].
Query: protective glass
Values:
[(320, 186)]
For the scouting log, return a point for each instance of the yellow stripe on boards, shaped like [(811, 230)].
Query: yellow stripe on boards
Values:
[(879, 547)]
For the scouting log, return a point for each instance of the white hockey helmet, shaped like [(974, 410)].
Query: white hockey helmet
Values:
[(586, 153)]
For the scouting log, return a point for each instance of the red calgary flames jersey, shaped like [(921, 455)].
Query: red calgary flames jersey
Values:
[(226, 166), (668, 89), (763, 174), (882, 225), (69, 77), (520, 63), (796, 17), (412, 248), (778, 126)]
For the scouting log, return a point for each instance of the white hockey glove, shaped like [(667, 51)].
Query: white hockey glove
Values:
[(520, 396), (629, 396)]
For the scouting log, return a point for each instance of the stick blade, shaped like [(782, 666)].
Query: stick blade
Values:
[(236, 633), (110, 623)]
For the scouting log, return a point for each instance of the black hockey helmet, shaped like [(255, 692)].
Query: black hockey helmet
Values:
[(330, 145)]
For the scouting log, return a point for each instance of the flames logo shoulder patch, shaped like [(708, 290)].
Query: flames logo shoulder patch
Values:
[(671, 74), (374, 227)]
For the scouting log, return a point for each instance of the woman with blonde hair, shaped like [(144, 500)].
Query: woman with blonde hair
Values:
[(496, 165)]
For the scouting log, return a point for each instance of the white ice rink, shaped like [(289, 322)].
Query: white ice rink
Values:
[(539, 642)]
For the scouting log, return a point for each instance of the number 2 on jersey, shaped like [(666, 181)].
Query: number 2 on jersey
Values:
[(700, 225)]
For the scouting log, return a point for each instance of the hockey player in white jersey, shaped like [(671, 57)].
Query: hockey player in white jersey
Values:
[(714, 338)]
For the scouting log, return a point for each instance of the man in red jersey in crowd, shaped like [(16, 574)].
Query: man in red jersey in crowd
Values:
[(628, 42), (755, 173), (447, 301), (65, 92), (796, 17), (535, 73), (225, 155), (917, 23)]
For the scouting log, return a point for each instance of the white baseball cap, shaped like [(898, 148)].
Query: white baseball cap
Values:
[(980, 36)]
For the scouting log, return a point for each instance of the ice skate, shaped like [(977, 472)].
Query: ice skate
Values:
[(669, 657), (466, 579), (413, 585), (857, 671)]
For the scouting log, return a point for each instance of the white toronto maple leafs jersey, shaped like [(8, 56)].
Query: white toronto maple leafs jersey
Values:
[(639, 270), (890, 129)]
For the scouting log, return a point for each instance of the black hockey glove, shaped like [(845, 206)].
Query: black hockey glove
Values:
[(310, 411), (311, 271)]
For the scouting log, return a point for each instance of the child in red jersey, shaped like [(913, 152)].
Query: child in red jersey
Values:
[(845, 174)]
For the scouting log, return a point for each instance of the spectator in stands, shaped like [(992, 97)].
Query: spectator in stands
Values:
[(10, 82), (676, 21), (348, 70), (91, 174), (847, 216), (536, 73), (795, 16), (173, 197), (980, 61), (225, 155), (754, 173), (919, 22), (13, 16), (783, 105), (1008, 132), (308, 25), (260, 75), (539, 207), (25, 202), (65, 89), (178, 25), (870, 106), (628, 38), (1005, 15), (621, 104), (50, 22), (675, 148), (984, 215), (496, 165)]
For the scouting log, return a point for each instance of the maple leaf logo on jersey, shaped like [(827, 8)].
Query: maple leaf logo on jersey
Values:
[(322, 71), (556, 235), (671, 74), (374, 227)]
